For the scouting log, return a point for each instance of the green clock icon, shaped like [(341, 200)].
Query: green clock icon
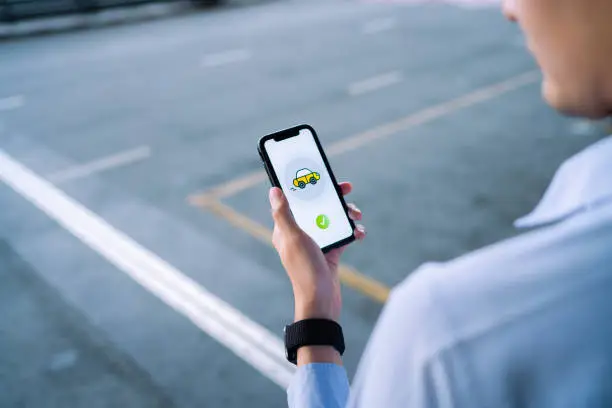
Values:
[(322, 221)]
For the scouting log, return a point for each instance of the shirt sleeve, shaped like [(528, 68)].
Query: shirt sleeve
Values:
[(318, 385)]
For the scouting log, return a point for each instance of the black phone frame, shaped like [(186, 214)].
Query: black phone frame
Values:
[(292, 132)]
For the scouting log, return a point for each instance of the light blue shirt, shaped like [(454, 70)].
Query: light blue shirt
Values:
[(523, 323)]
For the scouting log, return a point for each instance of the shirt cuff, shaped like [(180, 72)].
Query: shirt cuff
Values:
[(318, 385)]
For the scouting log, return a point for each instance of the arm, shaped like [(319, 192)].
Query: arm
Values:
[(320, 381), (402, 364)]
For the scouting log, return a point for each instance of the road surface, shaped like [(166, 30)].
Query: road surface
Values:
[(134, 231)]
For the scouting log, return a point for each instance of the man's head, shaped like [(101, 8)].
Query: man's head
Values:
[(572, 42)]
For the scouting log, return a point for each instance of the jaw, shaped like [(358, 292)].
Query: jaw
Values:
[(592, 102)]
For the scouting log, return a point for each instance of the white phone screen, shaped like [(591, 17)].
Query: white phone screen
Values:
[(307, 184)]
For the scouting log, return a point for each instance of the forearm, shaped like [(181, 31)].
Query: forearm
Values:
[(320, 380)]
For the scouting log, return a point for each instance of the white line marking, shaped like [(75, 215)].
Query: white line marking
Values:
[(100, 165), (374, 83), (247, 339), (226, 57), (378, 25), (11, 102)]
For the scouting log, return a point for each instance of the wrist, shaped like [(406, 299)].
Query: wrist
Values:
[(314, 340), (315, 310)]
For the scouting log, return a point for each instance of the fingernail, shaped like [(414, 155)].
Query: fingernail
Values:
[(275, 197)]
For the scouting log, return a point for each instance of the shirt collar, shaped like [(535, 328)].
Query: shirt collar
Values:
[(582, 182)]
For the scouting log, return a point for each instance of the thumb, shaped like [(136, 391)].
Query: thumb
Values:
[(280, 210)]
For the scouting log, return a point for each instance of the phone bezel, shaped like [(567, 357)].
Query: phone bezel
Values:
[(292, 132)]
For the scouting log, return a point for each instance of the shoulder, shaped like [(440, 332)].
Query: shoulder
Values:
[(449, 327), (488, 288), (413, 315)]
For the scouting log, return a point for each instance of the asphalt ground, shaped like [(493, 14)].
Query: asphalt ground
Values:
[(134, 231)]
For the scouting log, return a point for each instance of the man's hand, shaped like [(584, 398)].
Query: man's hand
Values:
[(314, 275)]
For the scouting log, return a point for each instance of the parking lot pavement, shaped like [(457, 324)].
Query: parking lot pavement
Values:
[(135, 227), (53, 356)]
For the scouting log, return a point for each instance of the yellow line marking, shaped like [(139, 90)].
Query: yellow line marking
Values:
[(434, 112), (237, 185), (480, 95), (234, 217), (348, 275), (354, 279)]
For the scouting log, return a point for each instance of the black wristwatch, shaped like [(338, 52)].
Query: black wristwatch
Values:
[(312, 332)]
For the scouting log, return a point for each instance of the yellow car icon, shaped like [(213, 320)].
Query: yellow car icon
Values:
[(305, 176)]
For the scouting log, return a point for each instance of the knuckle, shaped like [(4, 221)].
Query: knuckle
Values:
[(275, 213), (275, 239)]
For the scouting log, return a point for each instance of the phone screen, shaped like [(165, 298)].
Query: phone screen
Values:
[(312, 197)]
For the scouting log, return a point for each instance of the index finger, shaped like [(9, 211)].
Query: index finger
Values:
[(345, 187)]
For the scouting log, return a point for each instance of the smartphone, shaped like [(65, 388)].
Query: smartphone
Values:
[(295, 162)]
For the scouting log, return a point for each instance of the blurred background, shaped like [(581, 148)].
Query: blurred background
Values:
[(135, 262)]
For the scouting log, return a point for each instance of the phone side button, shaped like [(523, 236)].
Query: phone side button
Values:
[(265, 165)]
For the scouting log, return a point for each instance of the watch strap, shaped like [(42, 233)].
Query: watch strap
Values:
[(312, 332)]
